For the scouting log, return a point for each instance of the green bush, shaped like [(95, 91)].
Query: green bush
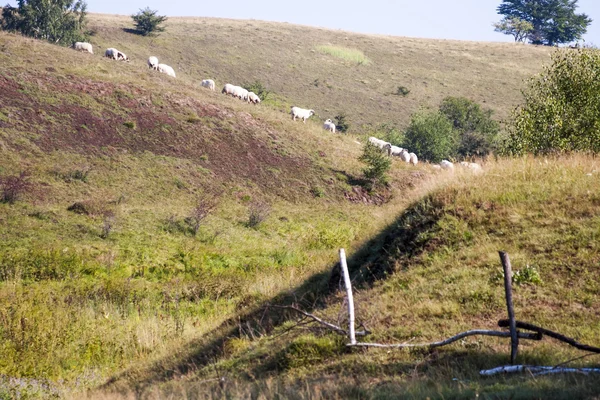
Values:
[(476, 128), (378, 164), (431, 136), (341, 125), (147, 22), (258, 88), (561, 111)]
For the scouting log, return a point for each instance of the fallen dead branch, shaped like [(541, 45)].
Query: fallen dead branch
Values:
[(555, 335), (326, 324), (452, 339), (536, 370)]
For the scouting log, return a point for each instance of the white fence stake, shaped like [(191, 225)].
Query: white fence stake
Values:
[(348, 285)]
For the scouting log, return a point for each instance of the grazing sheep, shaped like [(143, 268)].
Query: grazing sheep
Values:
[(165, 69), (382, 144), (395, 151), (228, 89), (253, 98), (242, 93), (83, 46), (208, 83), (436, 166), (413, 159), (153, 63), (405, 155), (445, 164), (298, 112), (471, 165), (329, 126), (115, 54)]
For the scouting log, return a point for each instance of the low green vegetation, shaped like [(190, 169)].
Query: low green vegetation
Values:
[(345, 53)]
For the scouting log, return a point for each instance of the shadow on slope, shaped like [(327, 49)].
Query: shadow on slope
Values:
[(369, 264)]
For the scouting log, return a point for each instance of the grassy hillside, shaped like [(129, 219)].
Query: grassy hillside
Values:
[(443, 276), (332, 71), (107, 269)]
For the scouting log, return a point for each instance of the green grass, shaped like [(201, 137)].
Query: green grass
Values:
[(102, 279), (353, 55)]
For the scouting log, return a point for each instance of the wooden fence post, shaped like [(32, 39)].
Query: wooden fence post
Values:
[(514, 337), (348, 285)]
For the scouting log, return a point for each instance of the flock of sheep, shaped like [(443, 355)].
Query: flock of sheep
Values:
[(296, 112)]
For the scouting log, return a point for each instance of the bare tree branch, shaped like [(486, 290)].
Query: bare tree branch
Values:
[(535, 370), (555, 335), (329, 325), (451, 339)]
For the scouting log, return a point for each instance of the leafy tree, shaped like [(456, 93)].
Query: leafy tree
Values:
[(476, 129), (57, 21), (514, 26), (378, 164), (562, 107), (147, 22), (431, 135), (554, 21)]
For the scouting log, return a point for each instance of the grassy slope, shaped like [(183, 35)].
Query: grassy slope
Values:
[(153, 144), (287, 60), (443, 276)]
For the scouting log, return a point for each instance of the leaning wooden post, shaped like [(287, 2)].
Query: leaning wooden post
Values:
[(514, 337), (348, 285)]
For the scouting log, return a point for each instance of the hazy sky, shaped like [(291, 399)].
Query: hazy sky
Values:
[(445, 19)]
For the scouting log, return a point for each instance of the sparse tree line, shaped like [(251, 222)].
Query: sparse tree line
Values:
[(64, 21)]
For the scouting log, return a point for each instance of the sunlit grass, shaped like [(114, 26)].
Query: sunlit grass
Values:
[(344, 53)]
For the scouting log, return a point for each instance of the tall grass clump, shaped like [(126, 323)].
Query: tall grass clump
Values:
[(345, 53)]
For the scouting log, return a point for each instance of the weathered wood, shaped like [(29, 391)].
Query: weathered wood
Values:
[(514, 336), (451, 339), (536, 370), (349, 296), (555, 335), (321, 321)]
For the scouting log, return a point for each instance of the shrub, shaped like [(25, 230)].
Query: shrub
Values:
[(341, 125), (259, 89), (147, 22), (258, 211), (14, 187), (378, 164), (402, 91), (561, 111), (476, 128), (431, 136), (204, 206)]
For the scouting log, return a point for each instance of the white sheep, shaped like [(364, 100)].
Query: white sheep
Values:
[(208, 83), (153, 62), (298, 112), (165, 69), (414, 160), (395, 150), (329, 126), (228, 89), (471, 165), (382, 144), (242, 93), (405, 155), (445, 164), (83, 46), (253, 98), (115, 54)]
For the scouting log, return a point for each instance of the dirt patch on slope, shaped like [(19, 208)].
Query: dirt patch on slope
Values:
[(80, 115)]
